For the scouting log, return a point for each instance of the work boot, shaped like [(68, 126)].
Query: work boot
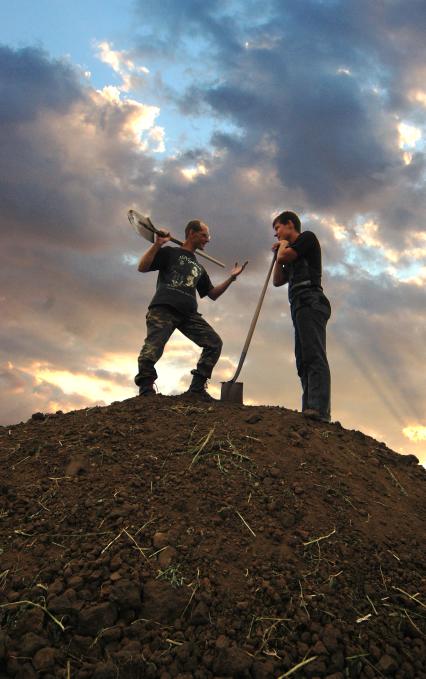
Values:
[(146, 387), (197, 388), (313, 414)]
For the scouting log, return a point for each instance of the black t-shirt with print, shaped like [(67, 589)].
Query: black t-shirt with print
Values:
[(180, 275)]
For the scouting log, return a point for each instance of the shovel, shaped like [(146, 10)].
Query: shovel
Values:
[(145, 228), (232, 391)]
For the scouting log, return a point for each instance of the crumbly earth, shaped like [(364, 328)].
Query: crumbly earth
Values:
[(162, 537)]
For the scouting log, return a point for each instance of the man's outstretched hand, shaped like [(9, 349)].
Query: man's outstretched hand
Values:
[(218, 290), (238, 269)]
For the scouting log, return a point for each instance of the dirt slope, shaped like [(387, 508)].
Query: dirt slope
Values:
[(164, 538)]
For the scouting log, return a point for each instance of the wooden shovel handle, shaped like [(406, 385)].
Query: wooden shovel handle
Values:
[(179, 242), (254, 321)]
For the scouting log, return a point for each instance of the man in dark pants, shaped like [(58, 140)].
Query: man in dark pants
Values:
[(174, 306), (299, 264)]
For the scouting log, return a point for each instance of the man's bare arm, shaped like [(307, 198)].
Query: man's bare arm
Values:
[(280, 275), (286, 254), (218, 290), (147, 258)]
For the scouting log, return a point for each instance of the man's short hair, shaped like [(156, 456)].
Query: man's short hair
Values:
[(194, 225), (288, 216)]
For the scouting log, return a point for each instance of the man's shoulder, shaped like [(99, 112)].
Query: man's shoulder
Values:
[(307, 239), (308, 235), (169, 253)]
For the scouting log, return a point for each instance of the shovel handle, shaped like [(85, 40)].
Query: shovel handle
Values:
[(159, 232), (254, 321)]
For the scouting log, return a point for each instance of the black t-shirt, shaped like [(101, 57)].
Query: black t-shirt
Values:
[(180, 275), (306, 270)]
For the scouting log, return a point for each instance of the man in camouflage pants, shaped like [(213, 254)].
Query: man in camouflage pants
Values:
[(174, 306)]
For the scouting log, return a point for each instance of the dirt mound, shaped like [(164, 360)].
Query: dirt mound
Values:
[(163, 538)]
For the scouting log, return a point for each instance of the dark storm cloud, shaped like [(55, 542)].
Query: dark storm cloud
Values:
[(31, 82), (328, 143), (46, 183), (164, 27), (325, 82), (60, 170)]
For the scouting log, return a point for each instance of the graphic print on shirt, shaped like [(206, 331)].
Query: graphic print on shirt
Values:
[(180, 277), (187, 275)]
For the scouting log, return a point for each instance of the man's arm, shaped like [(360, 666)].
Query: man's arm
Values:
[(146, 260), (218, 290), (280, 275), (285, 254)]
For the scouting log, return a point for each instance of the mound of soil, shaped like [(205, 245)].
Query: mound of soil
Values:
[(161, 537)]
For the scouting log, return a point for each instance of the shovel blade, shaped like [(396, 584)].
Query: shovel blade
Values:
[(141, 224), (232, 392)]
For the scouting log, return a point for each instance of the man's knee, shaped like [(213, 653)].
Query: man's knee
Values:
[(217, 345), (317, 362), (301, 370), (213, 341), (150, 351)]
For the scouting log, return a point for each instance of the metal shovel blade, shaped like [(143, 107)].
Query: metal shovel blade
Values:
[(142, 225), (232, 392)]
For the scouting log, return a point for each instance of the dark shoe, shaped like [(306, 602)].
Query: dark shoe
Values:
[(313, 414), (200, 395), (146, 388), (197, 388)]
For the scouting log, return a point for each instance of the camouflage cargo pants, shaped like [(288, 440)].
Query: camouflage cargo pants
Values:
[(161, 322)]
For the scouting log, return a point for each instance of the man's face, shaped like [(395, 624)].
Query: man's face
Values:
[(200, 238), (283, 231)]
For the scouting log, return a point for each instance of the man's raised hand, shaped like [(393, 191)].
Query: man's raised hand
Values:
[(162, 238), (238, 269)]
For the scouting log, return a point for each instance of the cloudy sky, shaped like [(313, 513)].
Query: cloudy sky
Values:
[(230, 112)]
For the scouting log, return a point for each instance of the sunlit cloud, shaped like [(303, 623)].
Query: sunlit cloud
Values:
[(339, 231), (409, 135), (419, 278), (137, 120), (94, 387), (111, 93), (368, 235), (120, 62), (191, 173), (416, 432), (416, 253), (417, 246), (418, 96)]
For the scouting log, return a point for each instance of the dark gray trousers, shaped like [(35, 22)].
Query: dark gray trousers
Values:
[(310, 311)]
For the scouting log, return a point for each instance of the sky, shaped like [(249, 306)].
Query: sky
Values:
[(229, 112)]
